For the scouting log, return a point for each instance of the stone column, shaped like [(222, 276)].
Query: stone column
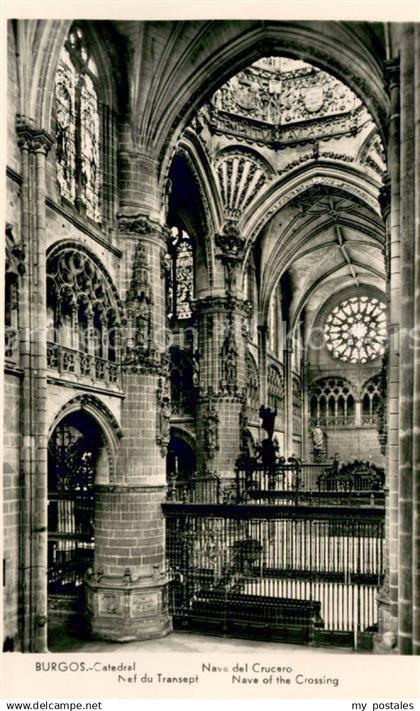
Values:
[(390, 205), (221, 345), (306, 414), (34, 144), (416, 355), (358, 411), (222, 321), (288, 400), (262, 350), (127, 592), (408, 466), (391, 213), (137, 177)]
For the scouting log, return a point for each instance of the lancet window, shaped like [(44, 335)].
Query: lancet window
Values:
[(78, 125), (371, 400)]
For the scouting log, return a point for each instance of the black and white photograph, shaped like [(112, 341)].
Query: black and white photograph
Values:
[(211, 382)]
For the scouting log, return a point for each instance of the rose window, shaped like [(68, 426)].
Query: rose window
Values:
[(355, 330)]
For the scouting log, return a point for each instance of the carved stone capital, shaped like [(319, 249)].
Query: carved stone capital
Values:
[(142, 226), (34, 140), (392, 73), (230, 242)]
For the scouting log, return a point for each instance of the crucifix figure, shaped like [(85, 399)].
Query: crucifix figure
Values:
[(268, 417)]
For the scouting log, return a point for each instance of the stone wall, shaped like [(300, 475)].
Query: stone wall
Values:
[(357, 443), (11, 504)]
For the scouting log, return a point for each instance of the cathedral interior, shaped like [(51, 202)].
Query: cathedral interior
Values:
[(211, 298)]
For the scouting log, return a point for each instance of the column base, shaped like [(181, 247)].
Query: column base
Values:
[(122, 611), (385, 641)]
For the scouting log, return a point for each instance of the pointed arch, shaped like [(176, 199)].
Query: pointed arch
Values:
[(221, 51), (93, 406)]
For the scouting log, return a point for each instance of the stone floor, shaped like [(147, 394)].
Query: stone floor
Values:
[(183, 642)]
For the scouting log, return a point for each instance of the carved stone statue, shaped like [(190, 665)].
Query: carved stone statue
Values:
[(165, 416), (211, 433), (317, 438), (229, 357), (139, 302), (196, 369), (230, 368), (164, 413), (318, 443), (211, 436)]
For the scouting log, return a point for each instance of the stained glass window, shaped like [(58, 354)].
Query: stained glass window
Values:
[(355, 330), (90, 148), (78, 125), (181, 282), (65, 92)]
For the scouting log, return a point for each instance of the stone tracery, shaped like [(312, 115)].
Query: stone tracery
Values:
[(332, 402), (275, 382), (85, 317), (356, 329)]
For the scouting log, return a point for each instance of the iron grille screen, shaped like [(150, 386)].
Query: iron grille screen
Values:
[(303, 574), (70, 509)]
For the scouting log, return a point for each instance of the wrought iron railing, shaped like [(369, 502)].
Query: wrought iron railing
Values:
[(356, 477), (291, 482), (67, 360), (207, 488), (307, 574), (288, 482), (70, 540)]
